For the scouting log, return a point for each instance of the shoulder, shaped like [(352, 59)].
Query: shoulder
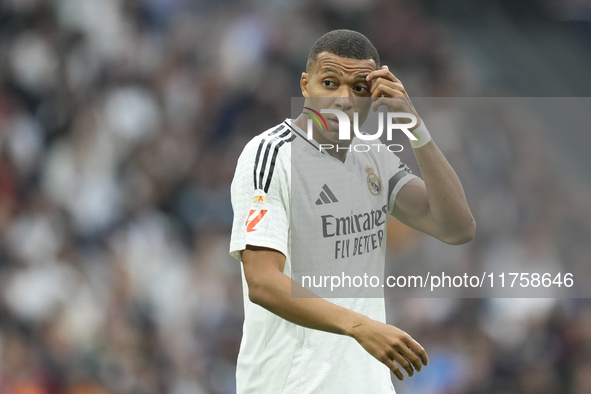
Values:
[(265, 159), (268, 144)]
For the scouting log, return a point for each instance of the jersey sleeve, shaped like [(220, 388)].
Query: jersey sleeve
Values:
[(260, 197), (399, 175)]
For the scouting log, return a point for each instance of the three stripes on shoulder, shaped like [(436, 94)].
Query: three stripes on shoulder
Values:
[(266, 156)]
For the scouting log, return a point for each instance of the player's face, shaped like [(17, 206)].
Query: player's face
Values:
[(338, 83)]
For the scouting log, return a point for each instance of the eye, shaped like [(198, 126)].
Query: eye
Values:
[(360, 89), (328, 83)]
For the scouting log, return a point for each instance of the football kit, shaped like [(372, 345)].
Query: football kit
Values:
[(329, 219)]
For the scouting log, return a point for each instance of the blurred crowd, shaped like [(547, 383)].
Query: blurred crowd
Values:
[(120, 126)]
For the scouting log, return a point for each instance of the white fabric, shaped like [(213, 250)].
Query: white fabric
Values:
[(422, 134), (277, 356)]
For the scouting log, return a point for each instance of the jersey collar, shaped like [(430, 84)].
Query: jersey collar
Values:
[(302, 134)]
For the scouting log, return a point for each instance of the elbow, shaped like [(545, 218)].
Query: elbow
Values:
[(459, 239), (462, 236), (254, 294), (257, 293), (263, 268)]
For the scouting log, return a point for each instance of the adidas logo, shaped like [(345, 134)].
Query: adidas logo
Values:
[(326, 196)]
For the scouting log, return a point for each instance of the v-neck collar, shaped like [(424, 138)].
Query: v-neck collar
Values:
[(314, 144)]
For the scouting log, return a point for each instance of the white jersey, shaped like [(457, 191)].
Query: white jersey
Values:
[(319, 212)]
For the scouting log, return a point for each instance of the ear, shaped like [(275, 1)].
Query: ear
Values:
[(304, 84)]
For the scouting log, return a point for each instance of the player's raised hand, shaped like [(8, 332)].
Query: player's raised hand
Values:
[(388, 344), (387, 90)]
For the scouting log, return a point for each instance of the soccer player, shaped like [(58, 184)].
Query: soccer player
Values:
[(304, 345)]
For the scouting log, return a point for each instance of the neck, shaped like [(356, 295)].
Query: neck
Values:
[(343, 146)]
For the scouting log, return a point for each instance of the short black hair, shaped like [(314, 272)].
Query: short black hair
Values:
[(343, 43)]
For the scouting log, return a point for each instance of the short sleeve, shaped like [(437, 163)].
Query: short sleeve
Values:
[(400, 175), (260, 198)]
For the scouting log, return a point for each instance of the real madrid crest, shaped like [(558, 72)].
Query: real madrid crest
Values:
[(373, 182)]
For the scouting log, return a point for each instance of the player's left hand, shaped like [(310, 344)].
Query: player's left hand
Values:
[(387, 90)]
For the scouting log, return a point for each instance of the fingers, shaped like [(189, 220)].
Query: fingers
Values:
[(404, 363), (383, 72), (390, 364), (418, 350), (395, 104), (412, 352), (379, 102), (384, 84), (394, 347), (378, 83), (387, 89), (410, 359), (409, 354), (381, 81)]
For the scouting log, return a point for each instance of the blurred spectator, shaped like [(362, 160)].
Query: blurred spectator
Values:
[(120, 125)]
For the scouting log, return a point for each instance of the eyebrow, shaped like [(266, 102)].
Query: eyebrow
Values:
[(332, 70)]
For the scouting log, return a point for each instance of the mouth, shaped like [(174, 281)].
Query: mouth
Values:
[(334, 122)]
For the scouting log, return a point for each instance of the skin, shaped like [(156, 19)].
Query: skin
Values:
[(349, 85), (336, 83), (435, 206)]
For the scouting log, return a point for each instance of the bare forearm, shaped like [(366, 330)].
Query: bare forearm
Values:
[(448, 207), (276, 292), (303, 307), (384, 342)]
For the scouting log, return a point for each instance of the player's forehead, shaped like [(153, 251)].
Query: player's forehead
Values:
[(346, 66)]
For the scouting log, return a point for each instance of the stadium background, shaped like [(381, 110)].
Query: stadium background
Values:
[(120, 125)]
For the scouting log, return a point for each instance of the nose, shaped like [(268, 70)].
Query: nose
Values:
[(345, 100)]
